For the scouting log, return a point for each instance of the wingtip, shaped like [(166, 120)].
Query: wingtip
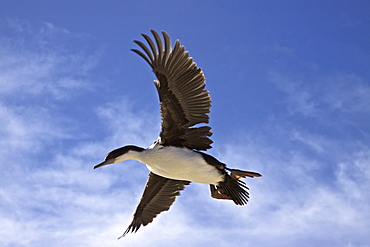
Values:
[(164, 33), (124, 234), (121, 236), (153, 31)]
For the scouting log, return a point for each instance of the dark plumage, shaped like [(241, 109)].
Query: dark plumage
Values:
[(175, 159), (183, 100)]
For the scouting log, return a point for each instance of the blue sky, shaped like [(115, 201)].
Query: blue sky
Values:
[(290, 84)]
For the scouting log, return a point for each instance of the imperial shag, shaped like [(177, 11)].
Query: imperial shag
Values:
[(175, 159)]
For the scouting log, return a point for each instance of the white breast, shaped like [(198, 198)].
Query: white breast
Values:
[(179, 163)]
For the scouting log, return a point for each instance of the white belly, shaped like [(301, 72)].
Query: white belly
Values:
[(179, 163)]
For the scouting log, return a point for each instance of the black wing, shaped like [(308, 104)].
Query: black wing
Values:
[(180, 85), (158, 196)]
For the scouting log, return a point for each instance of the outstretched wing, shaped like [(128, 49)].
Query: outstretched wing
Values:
[(158, 196), (183, 100)]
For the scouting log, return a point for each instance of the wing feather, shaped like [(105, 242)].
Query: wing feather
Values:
[(158, 196), (184, 102), (146, 50), (151, 43), (142, 55)]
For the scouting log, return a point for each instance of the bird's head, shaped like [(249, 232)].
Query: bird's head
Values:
[(120, 154)]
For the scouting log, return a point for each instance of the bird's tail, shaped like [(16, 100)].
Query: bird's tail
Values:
[(234, 189), (237, 174)]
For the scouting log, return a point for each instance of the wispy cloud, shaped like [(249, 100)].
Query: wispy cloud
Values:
[(296, 202), (27, 129), (338, 93), (36, 69), (36, 186), (126, 125), (51, 196), (36, 61)]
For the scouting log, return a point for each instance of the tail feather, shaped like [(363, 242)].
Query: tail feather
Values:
[(235, 189), (237, 174)]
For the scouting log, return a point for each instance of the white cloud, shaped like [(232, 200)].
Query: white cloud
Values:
[(51, 196), (300, 198), (335, 94), (127, 126), (27, 129), (67, 203), (35, 61), (36, 69)]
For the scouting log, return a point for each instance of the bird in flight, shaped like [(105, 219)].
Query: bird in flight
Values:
[(176, 159)]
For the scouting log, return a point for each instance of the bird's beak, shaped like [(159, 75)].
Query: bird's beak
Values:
[(104, 163)]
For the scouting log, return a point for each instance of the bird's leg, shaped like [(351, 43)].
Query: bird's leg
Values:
[(218, 193), (237, 174)]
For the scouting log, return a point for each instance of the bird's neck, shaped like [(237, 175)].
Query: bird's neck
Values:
[(134, 153)]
